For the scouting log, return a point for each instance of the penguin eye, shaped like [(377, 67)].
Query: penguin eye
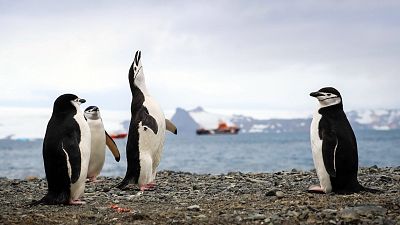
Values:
[(134, 68), (329, 94)]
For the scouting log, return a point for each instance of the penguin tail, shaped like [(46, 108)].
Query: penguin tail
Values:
[(35, 202), (371, 190), (122, 184), (52, 199), (361, 188)]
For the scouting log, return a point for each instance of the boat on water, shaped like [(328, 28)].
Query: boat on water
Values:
[(223, 128), (118, 135)]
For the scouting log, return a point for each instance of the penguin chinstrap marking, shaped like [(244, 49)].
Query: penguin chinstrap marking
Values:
[(99, 140), (334, 146), (66, 152), (146, 132)]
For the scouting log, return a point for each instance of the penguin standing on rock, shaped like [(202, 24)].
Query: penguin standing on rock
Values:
[(66, 152), (146, 132), (99, 140), (334, 146)]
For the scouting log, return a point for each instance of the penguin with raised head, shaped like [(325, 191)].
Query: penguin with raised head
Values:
[(146, 132), (334, 145), (66, 152), (99, 139)]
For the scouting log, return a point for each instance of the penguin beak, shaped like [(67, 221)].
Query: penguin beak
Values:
[(316, 94), (81, 100)]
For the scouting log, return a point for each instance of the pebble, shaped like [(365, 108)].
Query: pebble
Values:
[(255, 216), (201, 216), (194, 208), (279, 194), (224, 199), (348, 214), (276, 193)]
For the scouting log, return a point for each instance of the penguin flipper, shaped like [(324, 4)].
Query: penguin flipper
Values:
[(71, 147), (148, 120), (113, 147), (170, 126), (329, 146)]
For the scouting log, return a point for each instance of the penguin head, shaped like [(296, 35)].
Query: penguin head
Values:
[(136, 70), (327, 96), (92, 113), (67, 102)]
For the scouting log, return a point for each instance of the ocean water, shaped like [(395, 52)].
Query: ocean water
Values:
[(215, 154)]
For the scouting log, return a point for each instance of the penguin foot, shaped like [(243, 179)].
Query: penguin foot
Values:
[(92, 180), (76, 202), (316, 189), (148, 187)]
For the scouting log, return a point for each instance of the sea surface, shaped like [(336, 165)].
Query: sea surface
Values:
[(215, 154)]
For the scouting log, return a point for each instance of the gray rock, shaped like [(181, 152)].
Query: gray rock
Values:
[(370, 209), (349, 214), (194, 208), (280, 194), (255, 216), (367, 211)]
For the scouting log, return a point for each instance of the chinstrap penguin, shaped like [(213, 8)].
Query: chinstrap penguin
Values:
[(66, 152), (334, 146), (99, 140), (146, 132)]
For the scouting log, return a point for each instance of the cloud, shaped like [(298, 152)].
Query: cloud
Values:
[(240, 55)]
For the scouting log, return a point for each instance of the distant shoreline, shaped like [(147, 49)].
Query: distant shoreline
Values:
[(232, 198)]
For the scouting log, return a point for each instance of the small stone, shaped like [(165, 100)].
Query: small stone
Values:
[(270, 193), (293, 214), (106, 189), (194, 208), (329, 211), (396, 177), (102, 208), (195, 187), (332, 222), (31, 178), (130, 197), (255, 216), (279, 194), (201, 216), (349, 213)]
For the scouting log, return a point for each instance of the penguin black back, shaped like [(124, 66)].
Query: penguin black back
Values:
[(340, 151), (61, 155), (139, 114), (132, 145), (337, 143)]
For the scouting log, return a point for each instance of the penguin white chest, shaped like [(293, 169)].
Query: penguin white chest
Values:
[(148, 140), (98, 147), (316, 146), (78, 187), (150, 143)]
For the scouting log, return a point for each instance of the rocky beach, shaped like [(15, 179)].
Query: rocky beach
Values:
[(232, 198)]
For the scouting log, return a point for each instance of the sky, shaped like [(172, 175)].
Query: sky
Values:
[(259, 58)]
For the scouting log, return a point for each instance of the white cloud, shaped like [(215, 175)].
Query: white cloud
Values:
[(261, 55)]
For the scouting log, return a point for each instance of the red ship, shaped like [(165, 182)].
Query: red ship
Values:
[(118, 135), (223, 128)]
